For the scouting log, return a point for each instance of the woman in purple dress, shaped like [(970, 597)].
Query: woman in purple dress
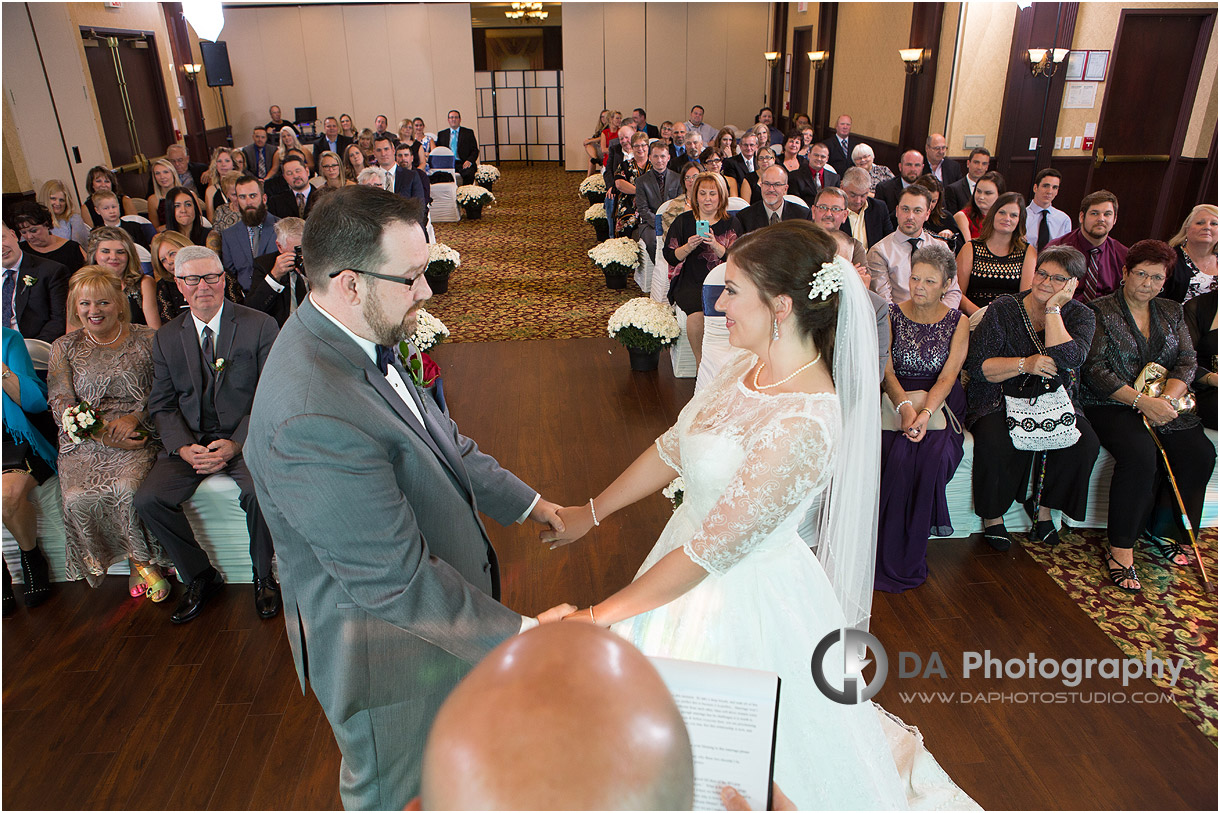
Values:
[(928, 348)]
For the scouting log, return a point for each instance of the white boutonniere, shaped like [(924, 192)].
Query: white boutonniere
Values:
[(28, 280), (219, 365)]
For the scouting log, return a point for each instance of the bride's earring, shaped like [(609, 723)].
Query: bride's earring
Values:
[(774, 329)]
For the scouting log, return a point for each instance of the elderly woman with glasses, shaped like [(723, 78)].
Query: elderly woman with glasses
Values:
[(864, 157), (1136, 327), (1003, 348)]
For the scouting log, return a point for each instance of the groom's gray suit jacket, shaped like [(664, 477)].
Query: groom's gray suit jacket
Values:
[(389, 580)]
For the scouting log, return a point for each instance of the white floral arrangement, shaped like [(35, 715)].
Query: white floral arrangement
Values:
[(618, 256), (644, 324), (593, 184), (429, 331), (487, 173), (472, 194), (674, 491), (81, 423), (595, 212), (442, 260)]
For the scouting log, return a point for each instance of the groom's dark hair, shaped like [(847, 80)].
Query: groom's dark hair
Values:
[(345, 227)]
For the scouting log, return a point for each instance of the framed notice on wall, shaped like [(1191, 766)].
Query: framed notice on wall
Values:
[(1075, 65), (1096, 65)]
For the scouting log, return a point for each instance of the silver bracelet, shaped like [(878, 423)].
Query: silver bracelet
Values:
[(1138, 396), (1021, 366), (904, 403), (1052, 310), (593, 511)]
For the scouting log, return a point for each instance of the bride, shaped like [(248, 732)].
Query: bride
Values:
[(792, 419)]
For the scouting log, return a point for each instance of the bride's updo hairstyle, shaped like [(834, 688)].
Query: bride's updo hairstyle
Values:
[(782, 260)]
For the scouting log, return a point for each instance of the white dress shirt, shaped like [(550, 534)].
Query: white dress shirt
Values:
[(213, 323), (1057, 221), (889, 266)]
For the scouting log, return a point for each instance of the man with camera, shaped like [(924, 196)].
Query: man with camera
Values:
[(279, 278)]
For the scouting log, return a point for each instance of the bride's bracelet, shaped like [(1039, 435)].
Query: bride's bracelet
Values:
[(593, 511)]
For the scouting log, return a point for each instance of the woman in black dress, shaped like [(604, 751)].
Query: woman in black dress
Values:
[(1200, 314), (100, 179), (33, 222), (183, 216)]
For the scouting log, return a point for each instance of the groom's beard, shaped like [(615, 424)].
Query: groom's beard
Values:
[(385, 331)]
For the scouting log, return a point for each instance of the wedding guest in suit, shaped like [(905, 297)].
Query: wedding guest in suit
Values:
[(214, 196), (66, 222), (771, 207), (696, 124), (910, 164), (970, 218), (889, 260), (940, 223), (206, 365), (863, 157), (652, 189), (1200, 315), (960, 192), (1136, 327), (32, 221), (998, 261), (101, 179), (741, 166), (945, 170), (408, 182), (184, 217), (381, 126), (107, 363), (113, 250), (677, 146), (190, 173), (1105, 257), (465, 148), (353, 477), (253, 236), (867, 218), (1001, 348), (1043, 222), (280, 284), (297, 195), (642, 125), (35, 292), (842, 145), (261, 158), (383, 151), (830, 212), (1194, 273), (332, 140), (490, 750), (823, 175), (170, 302)]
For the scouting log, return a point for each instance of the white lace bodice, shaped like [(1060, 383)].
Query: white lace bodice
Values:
[(752, 463)]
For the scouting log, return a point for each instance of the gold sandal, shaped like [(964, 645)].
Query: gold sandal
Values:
[(158, 586)]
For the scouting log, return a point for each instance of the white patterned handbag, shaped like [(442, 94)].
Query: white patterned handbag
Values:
[(1040, 414)]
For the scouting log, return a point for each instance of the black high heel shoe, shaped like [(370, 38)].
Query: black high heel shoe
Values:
[(10, 598), (36, 572), (1043, 530)]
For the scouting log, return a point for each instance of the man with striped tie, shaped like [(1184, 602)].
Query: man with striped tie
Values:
[(1104, 256)]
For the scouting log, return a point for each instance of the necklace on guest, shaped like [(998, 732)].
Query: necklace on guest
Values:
[(785, 380), (105, 344)]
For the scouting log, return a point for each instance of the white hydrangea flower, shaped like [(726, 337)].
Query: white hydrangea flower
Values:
[(644, 324), (487, 173), (595, 212), (593, 183), (619, 251), (471, 193)]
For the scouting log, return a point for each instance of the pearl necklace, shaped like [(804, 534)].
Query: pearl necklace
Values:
[(795, 373), (105, 344)]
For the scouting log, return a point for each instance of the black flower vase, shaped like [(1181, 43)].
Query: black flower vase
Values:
[(602, 227), (644, 360), (474, 211), (595, 197), (439, 283)]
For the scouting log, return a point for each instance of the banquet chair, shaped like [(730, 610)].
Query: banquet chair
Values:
[(797, 201), (716, 347), (659, 289), (736, 204), (444, 186), (40, 353)]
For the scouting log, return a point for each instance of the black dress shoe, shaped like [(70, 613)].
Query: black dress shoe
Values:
[(37, 574), (266, 596), (10, 598), (998, 537), (197, 592)]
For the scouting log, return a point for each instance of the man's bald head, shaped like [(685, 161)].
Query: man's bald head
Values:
[(567, 715)]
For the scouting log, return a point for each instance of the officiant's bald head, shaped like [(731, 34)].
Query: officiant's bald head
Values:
[(567, 715)]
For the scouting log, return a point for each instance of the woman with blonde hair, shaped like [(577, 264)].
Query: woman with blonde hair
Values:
[(365, 142), (346, 128), (214, 197), (114, 251), (614, 120), (66, 221), (164, 178), (107, 364), (330, 169), (593, 143), (1195, 245), (289, 141)]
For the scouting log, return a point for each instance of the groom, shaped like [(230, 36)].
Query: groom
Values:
[(373, 497)]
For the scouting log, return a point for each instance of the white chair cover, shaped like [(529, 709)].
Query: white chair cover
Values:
[(643, 274), (796, 200), (977, 317), (444, 203), (716, 347), (659, 289), (40, 353), (778, 149), (736, 204)]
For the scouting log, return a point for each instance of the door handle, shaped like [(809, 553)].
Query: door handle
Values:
[(1101, 158)]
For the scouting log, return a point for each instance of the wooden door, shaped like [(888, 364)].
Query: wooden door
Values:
[(802, 44), (1153, 77)]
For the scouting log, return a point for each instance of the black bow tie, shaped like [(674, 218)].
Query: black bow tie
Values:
[(385, 359)]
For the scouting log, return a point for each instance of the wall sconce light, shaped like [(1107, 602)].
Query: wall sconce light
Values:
[(192, 70), (913, 58), (1044, 61), (818, 58), (771, 56)]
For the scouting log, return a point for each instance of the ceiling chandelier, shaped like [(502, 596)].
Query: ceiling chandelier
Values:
[(531, 10)]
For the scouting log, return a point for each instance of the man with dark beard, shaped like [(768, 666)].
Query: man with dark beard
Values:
[(253, 237), (373, 498)]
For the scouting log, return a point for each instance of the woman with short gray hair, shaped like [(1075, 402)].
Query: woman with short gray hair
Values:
[(863, 156)]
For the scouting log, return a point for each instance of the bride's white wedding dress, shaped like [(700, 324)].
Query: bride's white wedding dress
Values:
[(753, 464)]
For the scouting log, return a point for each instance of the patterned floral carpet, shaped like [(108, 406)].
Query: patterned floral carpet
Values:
[(525, 274), (1174, 616)]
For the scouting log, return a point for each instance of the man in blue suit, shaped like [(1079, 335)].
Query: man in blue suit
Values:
[(253, 237)]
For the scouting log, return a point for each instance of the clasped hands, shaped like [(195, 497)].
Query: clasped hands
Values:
[(914, 424), (211, 458), (564, 526), (122, 433)]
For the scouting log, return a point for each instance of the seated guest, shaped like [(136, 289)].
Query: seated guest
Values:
[(867, 218), (278, 123), (771, 207), (1105, 257), (255, 229), (383, 151), (113, 250), (288, 143), (106, 204), (107, 363), (928, 348), (346, 127), (640, 117), (206, 367), (653, 188), (261, 158), (296, 196), (823, 175), (850, 250), (66, 222), (694, 145), (406, 138), (940, 223), (100, 179), (619, 149), (889, 260), (381, 126), (330, 141), (163, 179), (425, 142), (830, 212), (214, 196), (864, 158), (465, 148), (800, 179), (353, 161), (790, 158), (190, 174), (183, 216), (696, 124), (614, 121), (29, 461), (409, 183), (332, 172), (372, 176), (626, 218), (32, 221), (1134, 328), (806, 139), (998, 261), (693, 254), (910, 165), (712, 162), (666, 133), (681, 203), (1195, 244), (1001, 349), (226, 215), (765, 158), (239, 161), (35, 292), (1043, 222), (741, 165), (945, 170), (170, 302), (365, 142), (842, 145), (725, 144), (970, 218), (958, 193), (280, 284), (489, 749), (766, 118), (1200, 314), (677, 146), (593, 144)]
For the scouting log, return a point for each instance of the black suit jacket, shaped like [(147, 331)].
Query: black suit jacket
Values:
[(950, 171), (877, 222), (889, 192), (252, 157), (838, 159), (320, 146), (676, 162), (245, 339), (652, 131), (755, 215), (735, 167), (282, 201), (802, 184), (263, 297), (40, 308), (467, 148), (957, 195)]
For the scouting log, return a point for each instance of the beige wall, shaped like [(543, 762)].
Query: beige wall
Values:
[(869, 78), (944, 72), (981, 74), (708, 54)]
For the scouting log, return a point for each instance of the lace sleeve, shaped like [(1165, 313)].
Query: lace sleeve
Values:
[(61, 393), (667, 447), (787, 460)]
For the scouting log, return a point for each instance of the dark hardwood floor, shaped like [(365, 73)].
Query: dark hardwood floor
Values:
[(107, 705)]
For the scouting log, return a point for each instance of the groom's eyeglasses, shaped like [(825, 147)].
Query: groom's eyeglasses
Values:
[(407, 281)]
